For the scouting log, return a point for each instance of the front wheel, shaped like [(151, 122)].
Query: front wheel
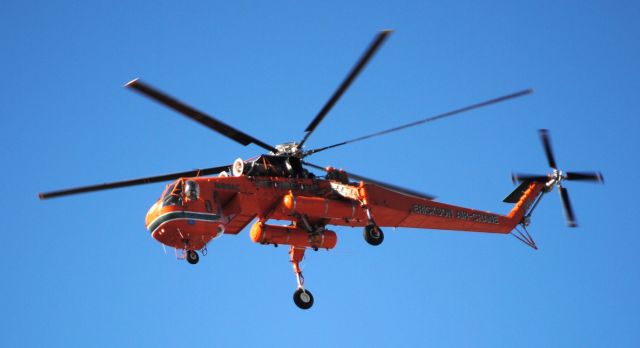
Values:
[(303, 298), (373, 235)]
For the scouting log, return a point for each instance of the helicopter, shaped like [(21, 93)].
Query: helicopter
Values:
[(199, 206)]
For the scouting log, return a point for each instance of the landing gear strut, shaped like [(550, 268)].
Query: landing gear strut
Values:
[(301, 297), (192, 257), (373, 234)]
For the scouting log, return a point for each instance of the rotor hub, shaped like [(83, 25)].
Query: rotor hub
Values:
[(557, 176), (288, 149)]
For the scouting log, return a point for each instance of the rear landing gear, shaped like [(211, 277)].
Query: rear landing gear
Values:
[(192, 257), (303, 298), (373, 234)]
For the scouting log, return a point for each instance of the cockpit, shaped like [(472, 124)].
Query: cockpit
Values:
[(175, 193)]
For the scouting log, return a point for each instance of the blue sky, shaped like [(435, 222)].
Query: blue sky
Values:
[(83, 271)]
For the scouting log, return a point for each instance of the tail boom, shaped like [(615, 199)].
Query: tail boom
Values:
[(393, 209)]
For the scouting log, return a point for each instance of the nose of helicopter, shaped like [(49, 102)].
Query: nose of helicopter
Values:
[(153, 221), (161, 230), (152, 214), (180, 228)]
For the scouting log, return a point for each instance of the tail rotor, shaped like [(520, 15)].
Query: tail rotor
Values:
[(556, 177)]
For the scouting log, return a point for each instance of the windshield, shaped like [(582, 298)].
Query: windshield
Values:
[(173, 195)]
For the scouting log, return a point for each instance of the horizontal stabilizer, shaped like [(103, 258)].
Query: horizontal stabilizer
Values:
[(515, 196)]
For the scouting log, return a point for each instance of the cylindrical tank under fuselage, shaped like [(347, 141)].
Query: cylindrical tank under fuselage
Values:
[(292, 235)]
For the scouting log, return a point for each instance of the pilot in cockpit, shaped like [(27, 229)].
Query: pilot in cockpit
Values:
[(191, 190)]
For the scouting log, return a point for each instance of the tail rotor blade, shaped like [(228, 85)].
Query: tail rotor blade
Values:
[(518, 177), (546, 142), (585, 176), (566, 204)]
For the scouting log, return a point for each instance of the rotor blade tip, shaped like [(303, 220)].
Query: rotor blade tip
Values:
[(387, 31), (41, 195), (132, 82)]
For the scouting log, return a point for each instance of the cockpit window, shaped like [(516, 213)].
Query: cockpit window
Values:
[(173, 195), (168, 190)]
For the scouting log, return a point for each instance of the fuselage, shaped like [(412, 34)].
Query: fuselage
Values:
[(193, 211)]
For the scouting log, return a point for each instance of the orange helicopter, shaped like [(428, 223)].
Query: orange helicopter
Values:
[(201, 205)]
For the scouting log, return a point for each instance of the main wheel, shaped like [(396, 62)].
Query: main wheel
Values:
[(192, 257), (303, 298), (373, 235)]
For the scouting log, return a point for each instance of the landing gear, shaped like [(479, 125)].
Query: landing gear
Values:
[(373, 234), (303, 298), (192, 257)]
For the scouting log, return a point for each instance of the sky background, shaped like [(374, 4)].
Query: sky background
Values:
[(83, 271)]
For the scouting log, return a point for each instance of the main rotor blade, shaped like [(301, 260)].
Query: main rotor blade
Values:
[(196, 115), (428, 119), (546, 142), (141, 181), (380, 38), (380, 183), (566, 204), (585, 176)]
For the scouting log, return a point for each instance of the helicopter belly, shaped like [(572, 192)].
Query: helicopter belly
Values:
[(181, 228)]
